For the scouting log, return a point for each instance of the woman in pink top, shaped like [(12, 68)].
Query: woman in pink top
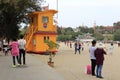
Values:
[(15, 51)]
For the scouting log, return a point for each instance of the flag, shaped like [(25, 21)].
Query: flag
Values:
[(45, 8), (55, 21)]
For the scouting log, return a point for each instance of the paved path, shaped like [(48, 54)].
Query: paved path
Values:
[(34, 70)]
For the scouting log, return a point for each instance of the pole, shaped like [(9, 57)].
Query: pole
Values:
[(57, 8)]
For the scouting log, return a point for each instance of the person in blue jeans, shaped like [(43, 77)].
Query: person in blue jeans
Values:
[(99, 54)]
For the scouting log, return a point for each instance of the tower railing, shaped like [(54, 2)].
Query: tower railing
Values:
[(29, 34)]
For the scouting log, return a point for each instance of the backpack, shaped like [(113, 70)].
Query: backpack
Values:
[(88, 69)]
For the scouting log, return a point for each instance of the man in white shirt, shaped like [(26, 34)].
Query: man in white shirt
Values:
[(22, 43), (92, 56)]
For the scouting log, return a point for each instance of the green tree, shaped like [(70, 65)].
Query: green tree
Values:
[(59, 30), (68, 31), (64, 37), (117, 35), (98, 35), (116, 24), (90, 30), (14, 12), (83, 30)]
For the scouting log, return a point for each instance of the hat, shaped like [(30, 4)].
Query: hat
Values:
[(101, 45)]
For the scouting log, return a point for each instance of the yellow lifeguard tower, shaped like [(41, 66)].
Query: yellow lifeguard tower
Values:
[(41, 29)]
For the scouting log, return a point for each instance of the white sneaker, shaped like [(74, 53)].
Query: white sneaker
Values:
[(13, 66), (18, 64)]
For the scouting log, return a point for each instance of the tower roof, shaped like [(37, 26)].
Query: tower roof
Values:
[(42, 12)]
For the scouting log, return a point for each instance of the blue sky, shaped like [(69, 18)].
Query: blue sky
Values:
[(73, 13)]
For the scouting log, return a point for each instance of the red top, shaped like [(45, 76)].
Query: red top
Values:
[(99, 54)]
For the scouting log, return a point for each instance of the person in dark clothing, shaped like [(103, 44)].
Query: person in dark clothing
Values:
[(92, 56), (22, 43), (77, 47), (99, 54), (70, 44)]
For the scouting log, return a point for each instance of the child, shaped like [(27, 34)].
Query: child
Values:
[(15, 51), (111, 48)]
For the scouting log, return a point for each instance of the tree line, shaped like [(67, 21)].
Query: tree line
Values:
[(69, 33)]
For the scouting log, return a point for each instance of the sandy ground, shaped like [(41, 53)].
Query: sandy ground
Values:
[(72, 66)]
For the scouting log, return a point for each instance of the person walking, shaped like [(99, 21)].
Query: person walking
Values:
[(99, 54), (82, 46), (22, 43), (92, 57), (77, 47), (70, 44), (14, 52), (111, 48)]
